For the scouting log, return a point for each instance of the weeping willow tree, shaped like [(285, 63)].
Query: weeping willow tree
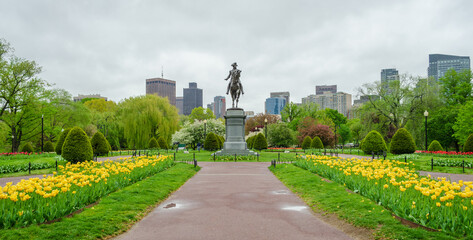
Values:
[(144, 117)]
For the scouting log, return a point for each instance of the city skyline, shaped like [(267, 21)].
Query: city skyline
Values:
[(98, 47)]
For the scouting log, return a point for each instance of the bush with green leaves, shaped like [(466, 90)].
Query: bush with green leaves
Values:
[(468, 147), (48, 147), (153, 143), (250, 141), (221, 140), (260, 142), (162, 143), (100, 145), (77, 147), (306, 143), (373, 143), (211, 142), (317, 143), (435, 146), (27, 148), (60, 142), (402, 142)]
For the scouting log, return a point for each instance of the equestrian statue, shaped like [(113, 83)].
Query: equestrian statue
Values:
[(234, 86)]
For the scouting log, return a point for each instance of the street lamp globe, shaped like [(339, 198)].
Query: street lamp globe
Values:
[(426, 114)]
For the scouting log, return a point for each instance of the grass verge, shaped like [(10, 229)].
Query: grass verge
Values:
[(114, 213), (331, 198)]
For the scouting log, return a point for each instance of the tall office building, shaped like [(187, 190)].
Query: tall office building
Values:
[(285, 95), (220, 106), (180, 104), (440, 63), (163, 88), (274, 105), (339, 101), (193, 98), (325, 88), (389, 74)]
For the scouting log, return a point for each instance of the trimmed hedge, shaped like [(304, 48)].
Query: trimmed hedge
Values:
[(48, 147), (220, 140), (468, 147), (250, 141), (435, 146), (317, 143), (153, 143), (100, 145), (27, 148), (77, 147), (402, 142), (211, 142), (373, 142), (260, 142), (162, 143), (307, 142), (60, 142)]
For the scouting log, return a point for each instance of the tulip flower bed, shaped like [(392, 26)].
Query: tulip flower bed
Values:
[(37, 200), (451, 154), (395, 185)]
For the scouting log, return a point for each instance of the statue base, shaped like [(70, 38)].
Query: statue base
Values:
[(235, 134)]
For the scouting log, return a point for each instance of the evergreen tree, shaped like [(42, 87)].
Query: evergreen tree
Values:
[(48, 147), (306, 143), (260, 142), (373, 143), (316, 143), (468, 147), (162, 143), (153, 143), (77, 147), (435, 146), (100, 145), (60, 142), (211, 142), (402, 142)]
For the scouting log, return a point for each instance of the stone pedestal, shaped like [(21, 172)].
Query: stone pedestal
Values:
[(235, 133)]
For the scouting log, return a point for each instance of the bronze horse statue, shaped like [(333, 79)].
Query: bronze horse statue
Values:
[(234, 86)]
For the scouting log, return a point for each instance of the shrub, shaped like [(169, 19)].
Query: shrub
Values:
[(48, 147), (162, 143), (27, 148), (60, 142), (306, 143), (250, 141), (211, 142), (153, 143), (435, 146), (280, 135), (260, 142), (77, 147), (317, 143), (100, 145), (220, 140), (402, 142), (468, 147), (373, 142)]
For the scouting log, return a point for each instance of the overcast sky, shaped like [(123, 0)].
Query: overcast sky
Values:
[(111, 47)]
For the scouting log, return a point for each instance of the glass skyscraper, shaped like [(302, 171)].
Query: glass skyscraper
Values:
[(274, 105), (440, 63)]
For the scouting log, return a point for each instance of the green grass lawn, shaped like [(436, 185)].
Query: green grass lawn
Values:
[(331, 198), (114, 213)]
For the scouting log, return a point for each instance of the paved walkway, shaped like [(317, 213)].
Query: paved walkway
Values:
[(233, 201)]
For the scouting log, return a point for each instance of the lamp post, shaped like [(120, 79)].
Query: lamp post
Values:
[(426, 114), (12, 137), (42, 131), (205, 129), (265, 128)]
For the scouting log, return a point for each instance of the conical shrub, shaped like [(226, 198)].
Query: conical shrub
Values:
[(373, 143), (48, 147), (306, 143), (402, 142), (220, 141), (77, 147), (60, 142), (435, 146), (468, 147), (27, 148), (162, 143), (250, 141), (211, 142), (316, 143), (260, 142), (153, 143), (100, 145)]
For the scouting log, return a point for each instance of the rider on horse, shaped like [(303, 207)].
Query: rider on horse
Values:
[(235, 78)]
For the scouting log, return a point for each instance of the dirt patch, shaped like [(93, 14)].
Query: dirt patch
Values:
[(326, 180), (412, 224)]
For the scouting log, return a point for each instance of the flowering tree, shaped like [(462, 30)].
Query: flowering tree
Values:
[(193, 133)]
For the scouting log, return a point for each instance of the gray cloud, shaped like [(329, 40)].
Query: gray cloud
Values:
[(111, 47)]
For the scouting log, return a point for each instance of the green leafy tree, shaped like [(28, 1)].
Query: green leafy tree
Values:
[(162, 143), (306, 143), (260, 142), (468, 147), (201, 114), (48, 146), (317, 143), (373, 143), (100, 145), (221, 140), (356, 129), (440, 127), (27, 148), (250, 141), (211, 142), (464, 121), (153, 143), (193, 133), (147, 116), (402, 142), (345, 134), (456, 87), (280, 135), (61, 140), (77, 147), (290, 112), (435, 146)]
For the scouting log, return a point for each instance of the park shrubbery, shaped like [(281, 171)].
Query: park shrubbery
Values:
[(162, 143), (77, 147), (260, 142), (435, 146), (220, 140), (250, 141), (27, 148), (402, 142), (468, 147), (373, 142), (306, 143), (48, 147), (153, 143), (60, 142), (211, 142), (317, 143), (100, 145)]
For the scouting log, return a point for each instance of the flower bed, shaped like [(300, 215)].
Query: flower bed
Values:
[(37, 200), (445, 153), (395, 185)]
